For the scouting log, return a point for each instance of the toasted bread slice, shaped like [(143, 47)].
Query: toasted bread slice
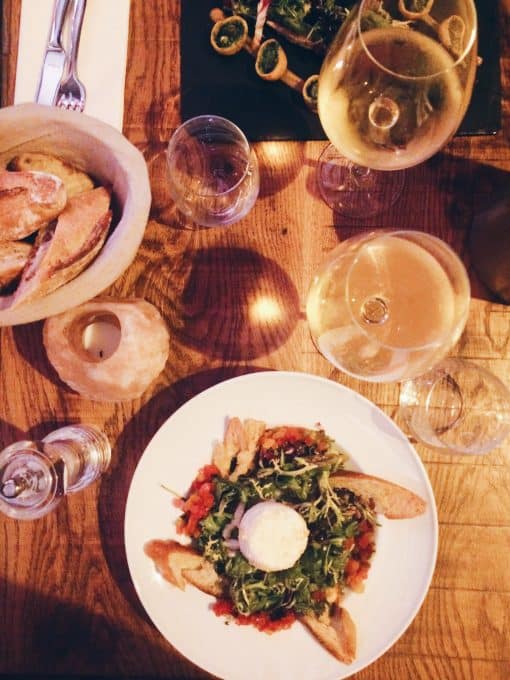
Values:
[(65, 247), (205, 578), (392, 500), (75, 181), (13, 258), (28, 200), (244, 460), (239, 447), (335, 630), (180, 564)]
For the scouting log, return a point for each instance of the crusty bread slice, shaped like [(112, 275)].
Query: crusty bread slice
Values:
[(13, 258), (205, 578), (180, 564), (75, 181), (392, 500), (335, 630), (28, 200), (239, 445), (65, 248)]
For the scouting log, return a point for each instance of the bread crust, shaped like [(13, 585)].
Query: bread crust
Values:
[(392, 500), (64, 248), (13, 258), (28, 201), (336, 631), (75, 180)]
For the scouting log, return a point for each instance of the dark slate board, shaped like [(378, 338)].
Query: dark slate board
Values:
[(229, 86)]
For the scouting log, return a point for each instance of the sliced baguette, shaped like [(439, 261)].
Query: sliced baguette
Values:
[(13, 258), (65, 247), (180, 565), (335, 630), (75, 181), (392, 500), (28, 200)]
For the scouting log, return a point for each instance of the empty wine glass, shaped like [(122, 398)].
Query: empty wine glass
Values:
[(388, 305), (213, 173), (458, 406), (393, 89)]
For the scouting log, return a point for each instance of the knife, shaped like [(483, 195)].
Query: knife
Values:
[(54, 58)]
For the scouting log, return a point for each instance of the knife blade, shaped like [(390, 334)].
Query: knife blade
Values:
[(54, 57)]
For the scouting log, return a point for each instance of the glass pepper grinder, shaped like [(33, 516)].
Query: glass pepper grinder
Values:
[(35, 476)]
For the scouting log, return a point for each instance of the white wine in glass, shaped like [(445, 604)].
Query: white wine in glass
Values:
[(393, 90), (387, 306)]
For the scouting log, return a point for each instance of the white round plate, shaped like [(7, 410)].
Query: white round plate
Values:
[(401, 568)]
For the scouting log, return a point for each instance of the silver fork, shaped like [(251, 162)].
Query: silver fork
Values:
[(71, 92)]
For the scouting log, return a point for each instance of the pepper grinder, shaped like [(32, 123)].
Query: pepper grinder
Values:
[(35, 476)]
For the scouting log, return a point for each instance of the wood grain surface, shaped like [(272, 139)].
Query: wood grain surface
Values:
[(67, 605)]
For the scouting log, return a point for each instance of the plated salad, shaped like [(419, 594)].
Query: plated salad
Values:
[(278, 531)]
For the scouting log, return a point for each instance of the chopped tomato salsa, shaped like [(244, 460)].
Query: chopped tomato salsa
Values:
[(200, 500), (358, 565), (261, 620)]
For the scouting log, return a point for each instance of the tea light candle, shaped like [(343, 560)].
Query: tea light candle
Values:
[(101, 337), (108, 349)]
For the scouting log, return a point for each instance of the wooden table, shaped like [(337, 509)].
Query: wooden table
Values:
[(67, 604)]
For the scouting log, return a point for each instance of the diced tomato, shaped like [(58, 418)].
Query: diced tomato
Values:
[(205, 474), (365, 540), (365, 526), (223, 607), (318, 595), (351, 567), (363, 570), (199, 501), (261, 620)]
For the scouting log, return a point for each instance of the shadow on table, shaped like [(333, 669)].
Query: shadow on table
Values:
[(64, 640), (29, 343), (115, 485), (235, 304), (10, 433), (441, 197)]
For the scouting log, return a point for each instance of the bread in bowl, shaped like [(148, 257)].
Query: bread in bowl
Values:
[(13, 258), (105, 155), (28, 200), (66, 246), (75, 181)]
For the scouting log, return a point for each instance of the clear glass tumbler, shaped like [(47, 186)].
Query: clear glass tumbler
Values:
[(35, 476), (458, 406), (213, 172)]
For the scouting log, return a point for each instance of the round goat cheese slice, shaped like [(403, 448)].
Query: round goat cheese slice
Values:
[(272, 536)]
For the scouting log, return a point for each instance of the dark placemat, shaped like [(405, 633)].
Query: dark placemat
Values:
[(229, 86)]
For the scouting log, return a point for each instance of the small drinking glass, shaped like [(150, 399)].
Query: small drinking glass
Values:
[(213, 172), (35, 476), (458, 406)]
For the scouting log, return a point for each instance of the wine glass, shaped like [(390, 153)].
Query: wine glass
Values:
[(393, 89), (458, 407), (213, 173), (388, 305)]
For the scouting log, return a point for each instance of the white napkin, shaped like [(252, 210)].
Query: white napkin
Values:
[(101, 59)]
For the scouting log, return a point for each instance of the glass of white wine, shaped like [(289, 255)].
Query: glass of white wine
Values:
[(388, 305), (393, 89)]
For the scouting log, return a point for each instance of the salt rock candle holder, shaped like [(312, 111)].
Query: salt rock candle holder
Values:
[(108, 349)]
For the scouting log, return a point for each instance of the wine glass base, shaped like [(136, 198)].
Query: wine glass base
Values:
[(354, 191)]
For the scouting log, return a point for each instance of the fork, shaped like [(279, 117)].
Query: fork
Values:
[(71, 92)]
